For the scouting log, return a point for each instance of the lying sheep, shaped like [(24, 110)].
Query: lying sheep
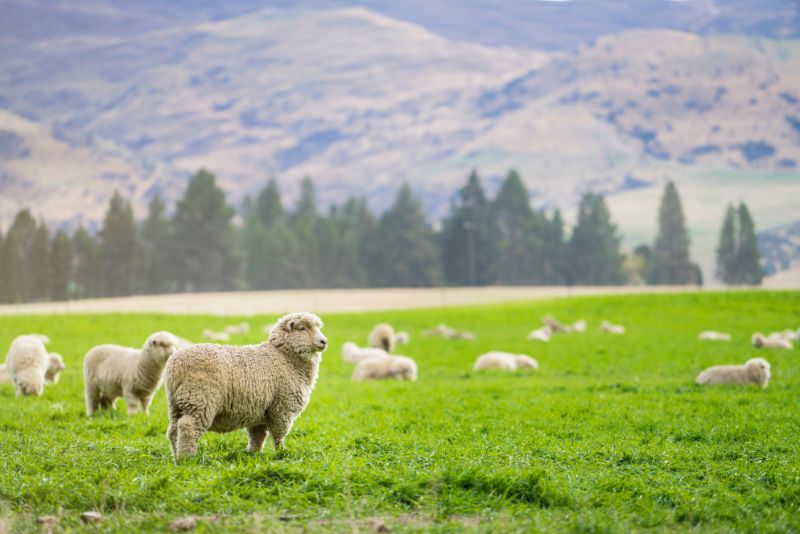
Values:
[(555, 325), (210, 335), (378, 368), (54, 368), (112, 371), (770, 342), (541, 334), (383, 337), (609, 328), (241, 328), (755, 371), (505, 361), (263, 388), (579, 326), (710, 335), (352, 353), (465, 335), (27, 362), (442, 330)]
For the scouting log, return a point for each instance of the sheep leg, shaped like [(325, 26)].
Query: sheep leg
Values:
[(145, 401), (257, 436), (92, 400), (132, 401), (189, 432), (279, 429), (172, 435)]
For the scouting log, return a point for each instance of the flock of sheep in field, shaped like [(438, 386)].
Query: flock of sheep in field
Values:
[(264, 388)]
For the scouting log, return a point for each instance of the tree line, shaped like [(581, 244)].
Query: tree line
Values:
[(482, 241)]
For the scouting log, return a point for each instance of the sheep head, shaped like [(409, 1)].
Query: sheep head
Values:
[(160, 346), (54, 368), (299, 333), (758, 368)]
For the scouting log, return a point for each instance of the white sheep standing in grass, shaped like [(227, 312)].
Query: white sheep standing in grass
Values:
[(263, 388), (27, 362), (761, 341), (241, 328), (393, 366), (710, 335), (352, 353), (541, 334), (609, 328), (383, 337), (210, 335), (755, 371), (505, 361), (54, 368), (112, 371)]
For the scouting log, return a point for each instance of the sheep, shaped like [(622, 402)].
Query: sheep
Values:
[(541, 334), (609, 328), (710, 335), (555, 325), (377, 368), (465, 335), (403, 338), (352, 353), (755, 371), (579, 326), (769, 342), (241, 328), (440, 330), (263, 388), (210, 335), (27, 362), (112, 371), (383, 337), (505, 361), (54, 368)]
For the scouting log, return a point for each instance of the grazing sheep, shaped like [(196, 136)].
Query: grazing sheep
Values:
[(579, 326), (377, 368), (263, 388), (210, 335), (112, 371), (541, 334), (383, 337), (352, 353), (403, 338), (609, 328), (769, 342), (505, 361), (27, 362), (755, 371), (710, 335), (241, 328), (555, 325), (440, 330), (54, 367)]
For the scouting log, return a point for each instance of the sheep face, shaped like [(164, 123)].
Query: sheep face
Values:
[(758, 340), (300, 333), (403, 369), (160, 346), (56, 365), (759, 370), (526, 362)]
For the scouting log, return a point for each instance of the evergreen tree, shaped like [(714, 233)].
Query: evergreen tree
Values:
[(310, 234), (268, 205), (39, 266), (22, 234), (62, 265), (2, 267), (466, 242), (88, 271), (341, 244), (405, 250), (515, 235), (748, 260), (554, 251), (120, 248), (158, 256), (726, 250), (12, 269), (671, 263), (202, 236), (595, 258)]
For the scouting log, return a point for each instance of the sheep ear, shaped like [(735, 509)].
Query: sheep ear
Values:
[(290, 325)]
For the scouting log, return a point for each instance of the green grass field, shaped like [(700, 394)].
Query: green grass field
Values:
[(611, 435)]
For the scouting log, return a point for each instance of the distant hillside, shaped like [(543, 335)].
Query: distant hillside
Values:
[(780, 248)]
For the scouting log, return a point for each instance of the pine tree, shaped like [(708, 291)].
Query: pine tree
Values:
[(405, 250), (39, 266), (120, 248), (671, 263), (595, 258), (22, 234), (554, 251), (748, 259), (202, 235), (157, 253), (62, 266), (309, 232), (465, 240), (2, 267), (268, 205), (12, 269), (515, 235), (343, 233), (88, 271), (726, 250)]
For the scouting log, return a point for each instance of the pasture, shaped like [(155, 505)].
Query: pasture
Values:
[(610, 435)]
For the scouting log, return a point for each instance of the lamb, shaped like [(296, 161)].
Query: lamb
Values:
[(609, 328), (710, 335), (241, 328), (54, 368), (770, 342), (383, 337), (541, 334), (505, 361), (403, 338), (27, 362), (112, 371), (263, 388), (377, 368), (755, 371), (210, 335), (579, 326), (352, 353), (555, 325)]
